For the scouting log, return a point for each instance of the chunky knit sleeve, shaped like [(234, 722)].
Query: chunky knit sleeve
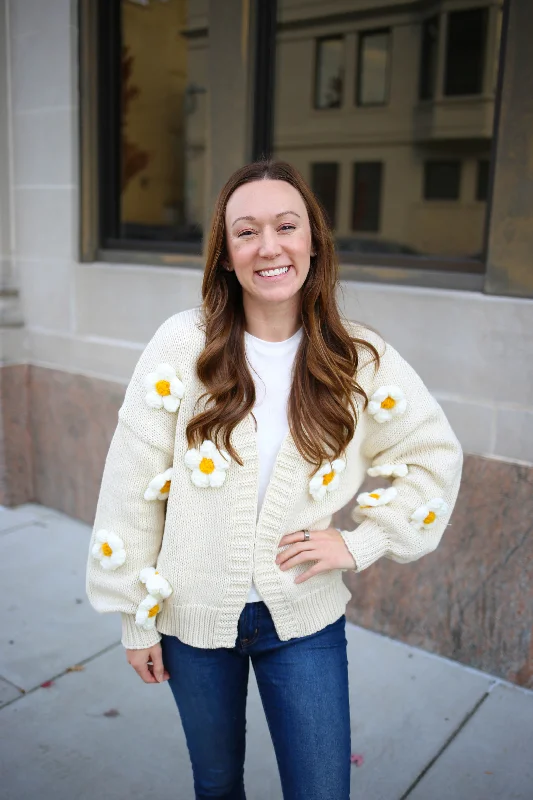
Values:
[(410, 445), (130, 513)]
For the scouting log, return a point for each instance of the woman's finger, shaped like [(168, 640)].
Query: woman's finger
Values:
[(157, 660)]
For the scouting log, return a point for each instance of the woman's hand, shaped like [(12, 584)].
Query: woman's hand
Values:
[(326, 547), (148, 663)]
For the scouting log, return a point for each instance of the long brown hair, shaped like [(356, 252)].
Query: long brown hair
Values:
[(321, 410)]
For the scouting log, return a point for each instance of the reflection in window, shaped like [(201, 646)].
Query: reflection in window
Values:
[(393, 207), (372, 85), (324, 184), (162, 128), (482, 183), (465, 52), (367, 196), (430, 52), (442, 180), (329, 72)]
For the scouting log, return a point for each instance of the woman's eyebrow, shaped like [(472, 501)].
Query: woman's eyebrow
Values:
[(253, 219)]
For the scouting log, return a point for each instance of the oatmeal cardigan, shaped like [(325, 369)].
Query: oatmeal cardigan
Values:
[(177, 540)]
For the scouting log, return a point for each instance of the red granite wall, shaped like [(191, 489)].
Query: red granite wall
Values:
[(16, 472), (472, 599)]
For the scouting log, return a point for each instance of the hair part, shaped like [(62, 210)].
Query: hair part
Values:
[(322, 409)]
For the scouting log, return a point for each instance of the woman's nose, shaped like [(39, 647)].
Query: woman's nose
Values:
[(269, 245)]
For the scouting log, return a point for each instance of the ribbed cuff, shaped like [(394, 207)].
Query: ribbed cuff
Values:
[(136, 638), (366, 543)]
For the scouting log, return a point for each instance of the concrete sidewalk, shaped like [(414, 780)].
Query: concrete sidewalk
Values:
[(428, 728)]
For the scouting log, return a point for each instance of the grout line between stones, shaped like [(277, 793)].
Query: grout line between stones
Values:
[(447, 743), (25, 693)]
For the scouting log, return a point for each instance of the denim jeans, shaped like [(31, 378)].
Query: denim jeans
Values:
[(303, 684)]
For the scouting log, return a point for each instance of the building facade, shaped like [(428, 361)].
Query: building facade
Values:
[(413, 122)]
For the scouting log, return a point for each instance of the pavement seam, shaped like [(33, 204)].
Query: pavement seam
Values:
[(19, 525), (25, 693), (447, 743)]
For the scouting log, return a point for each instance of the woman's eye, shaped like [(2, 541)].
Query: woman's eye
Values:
[(288, 226), (243, 233)]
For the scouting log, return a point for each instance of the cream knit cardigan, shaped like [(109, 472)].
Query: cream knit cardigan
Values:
[(205, 542)]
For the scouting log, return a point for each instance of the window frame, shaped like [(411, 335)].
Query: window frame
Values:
[(501, 269), (362, 34), (332, 218), (485, 10), (439, 162), (319, 41), (381, 171)]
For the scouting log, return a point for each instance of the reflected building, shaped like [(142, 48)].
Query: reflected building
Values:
[(389, 115)]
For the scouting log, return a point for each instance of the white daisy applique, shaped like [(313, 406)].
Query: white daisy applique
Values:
[(159, 487), (389, 471), (108, 548), (327, 478), (147, 611), (208, 465), (377, 497), (426, 516), (156, 585), (165, 389), (386, 403)]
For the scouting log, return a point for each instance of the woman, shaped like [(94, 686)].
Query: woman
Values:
[(257, 415)]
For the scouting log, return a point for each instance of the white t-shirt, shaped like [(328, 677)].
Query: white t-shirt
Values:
[(271, 368)]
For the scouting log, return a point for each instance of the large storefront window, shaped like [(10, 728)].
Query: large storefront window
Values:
[(153, 86), (393, 125)]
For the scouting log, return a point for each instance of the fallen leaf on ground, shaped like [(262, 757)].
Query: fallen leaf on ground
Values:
[(76, 668), (113, 712), (47, 684), (357, 759)]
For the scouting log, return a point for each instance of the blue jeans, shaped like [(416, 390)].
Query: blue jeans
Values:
[(303, 684)]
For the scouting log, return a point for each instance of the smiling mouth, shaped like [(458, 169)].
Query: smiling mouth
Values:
[(272, 272)]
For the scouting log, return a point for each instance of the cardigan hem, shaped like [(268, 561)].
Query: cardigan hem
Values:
[(199, 625)]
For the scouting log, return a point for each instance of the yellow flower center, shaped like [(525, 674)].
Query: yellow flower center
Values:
[(106, 550), (165, 490), (431, 517), (163, 388), (388, 403), (373, 494), (328, 477), (207, 466), (154, 610)]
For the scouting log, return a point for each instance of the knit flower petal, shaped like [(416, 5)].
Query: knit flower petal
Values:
[(327, 478), (386, 403), (156, 585), (147, 611), (426, 516), (159, 487), (377, 497), (208, 465), (165, 388), (108, 549), (389, 470)]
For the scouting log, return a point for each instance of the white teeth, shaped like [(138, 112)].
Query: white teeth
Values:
[(265, 272)]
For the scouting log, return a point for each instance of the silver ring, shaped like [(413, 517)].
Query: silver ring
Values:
[(307, 535)]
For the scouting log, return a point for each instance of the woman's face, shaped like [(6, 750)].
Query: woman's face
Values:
[(267, 227)]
